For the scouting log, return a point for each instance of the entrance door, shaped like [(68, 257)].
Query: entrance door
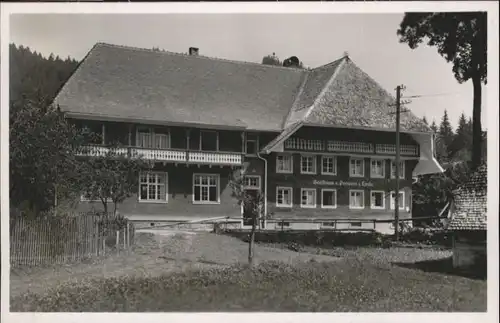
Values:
[(248, 209)]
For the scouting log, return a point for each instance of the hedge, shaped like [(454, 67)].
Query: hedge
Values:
[(343, 239)]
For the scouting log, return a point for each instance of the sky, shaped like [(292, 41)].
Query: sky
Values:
[(316, 39)]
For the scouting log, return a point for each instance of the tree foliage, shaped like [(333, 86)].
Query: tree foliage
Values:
[(43, 145), (43, 156), (461, 38), (432, 192)]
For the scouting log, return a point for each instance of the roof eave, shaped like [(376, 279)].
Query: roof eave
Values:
[(312, 124), (86, 116)]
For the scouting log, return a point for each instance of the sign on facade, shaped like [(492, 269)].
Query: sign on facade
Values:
[(344, 183)]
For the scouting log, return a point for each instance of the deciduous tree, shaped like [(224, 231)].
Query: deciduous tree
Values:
[(461, 38), (112, 178)]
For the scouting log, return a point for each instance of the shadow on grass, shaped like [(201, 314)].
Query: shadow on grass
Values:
[(445, 266)]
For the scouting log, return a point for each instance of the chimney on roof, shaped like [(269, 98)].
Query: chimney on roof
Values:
[(193, 51)]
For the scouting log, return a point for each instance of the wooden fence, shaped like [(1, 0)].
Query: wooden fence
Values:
[(57, 240)]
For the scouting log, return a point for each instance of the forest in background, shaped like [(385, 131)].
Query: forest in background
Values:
[(35, 80)]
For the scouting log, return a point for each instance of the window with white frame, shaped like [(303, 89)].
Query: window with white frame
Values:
[(356, 199), (284, 163), (206, 188), (308, 164), (153, 187), (377, 200), (377, 169), (401, 200), (283, 196), (308, 197), (251, 182), (251, 144), (401, 169), (148, 138), (329, 165), (86, 197), (357, 167), (328, 198)]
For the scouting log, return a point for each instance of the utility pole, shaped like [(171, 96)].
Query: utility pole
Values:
[(396, 196), (399, 89)]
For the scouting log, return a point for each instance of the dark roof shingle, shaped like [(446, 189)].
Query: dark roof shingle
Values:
[(140, 84), (470, 203), (144, 84), (354, 99)]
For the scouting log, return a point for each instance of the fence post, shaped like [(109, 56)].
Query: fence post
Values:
[(374, 225)]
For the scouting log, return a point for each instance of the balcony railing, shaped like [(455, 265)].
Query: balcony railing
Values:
[(216, 158), (168, 155), (159, 154)]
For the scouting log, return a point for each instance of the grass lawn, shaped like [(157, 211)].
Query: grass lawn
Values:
[(362, 280)]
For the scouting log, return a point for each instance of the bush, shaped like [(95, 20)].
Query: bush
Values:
[(331, 238), (313, 238)]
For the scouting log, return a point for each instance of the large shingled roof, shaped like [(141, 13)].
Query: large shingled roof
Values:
[(470, 203), (141, 84)]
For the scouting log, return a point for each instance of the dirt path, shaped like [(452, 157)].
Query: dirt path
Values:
[(156, 254)]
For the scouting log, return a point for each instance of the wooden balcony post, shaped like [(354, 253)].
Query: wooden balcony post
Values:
[(103, 134), (243, 150), (129, 135), (188, 133)]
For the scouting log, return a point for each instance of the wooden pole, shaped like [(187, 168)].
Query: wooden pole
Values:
[(118, 241), (396, 196)]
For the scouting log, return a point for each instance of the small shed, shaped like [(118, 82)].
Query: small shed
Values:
[(468, 223)]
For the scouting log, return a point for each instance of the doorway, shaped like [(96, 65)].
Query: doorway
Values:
[(248, 209)]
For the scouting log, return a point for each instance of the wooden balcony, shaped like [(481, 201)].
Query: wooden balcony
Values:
[(168, 155), (215, 158)]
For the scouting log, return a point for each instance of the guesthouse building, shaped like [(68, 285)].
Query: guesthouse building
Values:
[(318, 143)]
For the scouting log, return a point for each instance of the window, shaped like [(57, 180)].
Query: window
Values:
[(329, 165), (328, 198), (401, 169), (308, 164), (357, 167), (377, 200), (251, 182), (401, 201), (206, 188), (209, 140), (284, 164), (308, 197), (377, 169), (148, 138), (251, 144), (85, 197), (284, 196), (356, 199), (153, 187)]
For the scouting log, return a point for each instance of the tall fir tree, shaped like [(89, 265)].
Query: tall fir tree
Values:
[(461, 146), (444, 139)]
